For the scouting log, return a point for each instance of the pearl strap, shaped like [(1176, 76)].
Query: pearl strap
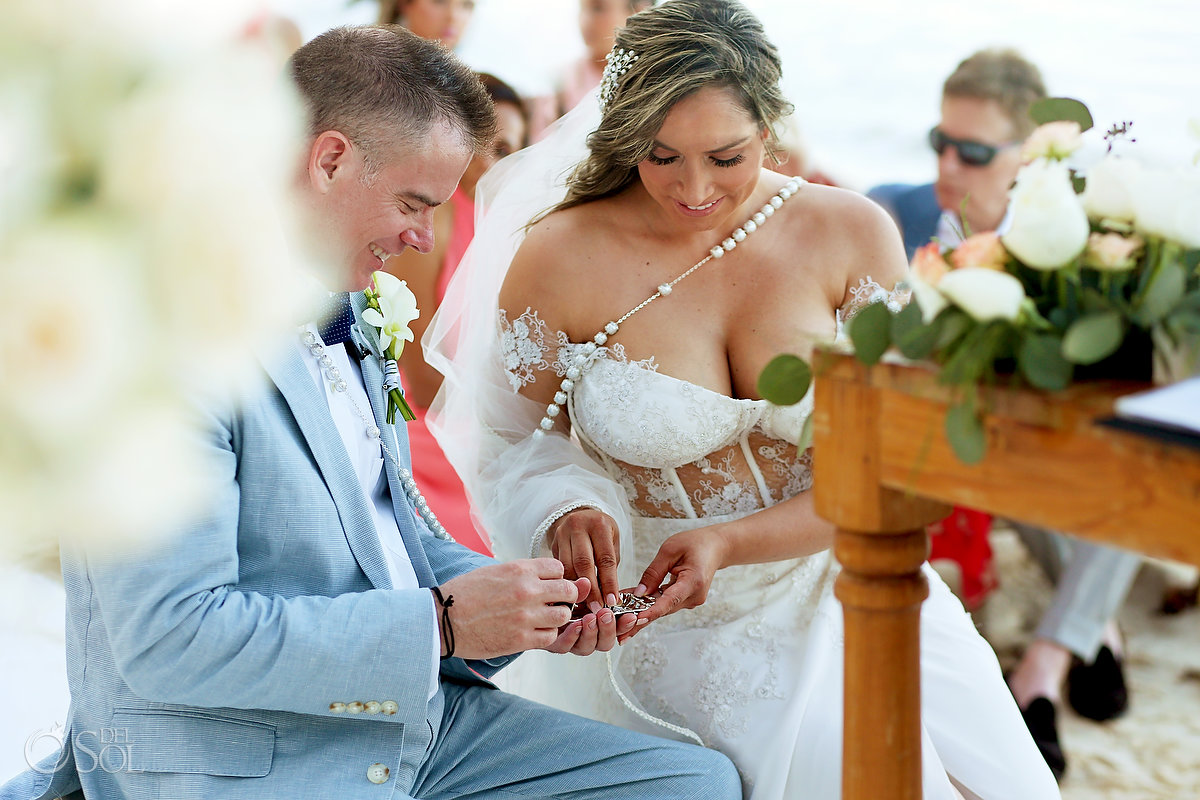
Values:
[(332, 374), (586, 355)]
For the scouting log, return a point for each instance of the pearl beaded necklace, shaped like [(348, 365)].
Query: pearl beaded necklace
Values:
[(584, 357), (332, 374)]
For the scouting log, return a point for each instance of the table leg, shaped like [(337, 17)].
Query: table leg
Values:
[(881, 589)]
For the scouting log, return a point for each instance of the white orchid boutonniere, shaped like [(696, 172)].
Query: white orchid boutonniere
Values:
[(391, 306)]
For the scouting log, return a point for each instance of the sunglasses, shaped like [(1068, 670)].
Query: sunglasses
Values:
[(970, 152)]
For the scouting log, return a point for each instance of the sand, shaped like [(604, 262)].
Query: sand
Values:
[(1153, 750)]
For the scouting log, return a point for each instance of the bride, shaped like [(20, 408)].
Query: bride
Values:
[(612, 411)]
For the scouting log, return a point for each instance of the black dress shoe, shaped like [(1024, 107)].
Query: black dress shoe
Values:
[(1042, 721), (1097, 690)]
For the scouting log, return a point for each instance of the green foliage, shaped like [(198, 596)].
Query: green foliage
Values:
[(785, 380), (911, 335), (1041, 361), (1093, 337), (964, 429), (1163, 292), (870, 331), (1055, 109)]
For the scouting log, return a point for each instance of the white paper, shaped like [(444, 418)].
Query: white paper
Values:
[(1176, 406)]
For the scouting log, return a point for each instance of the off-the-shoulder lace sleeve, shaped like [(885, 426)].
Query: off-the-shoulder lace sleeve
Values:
[(869, 291), (524, 345)]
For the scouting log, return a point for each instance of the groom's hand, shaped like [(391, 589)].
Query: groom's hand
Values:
[(595, 630), (506, 608), (588, 544)]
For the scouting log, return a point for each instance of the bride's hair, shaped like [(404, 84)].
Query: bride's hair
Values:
[(682, 46)]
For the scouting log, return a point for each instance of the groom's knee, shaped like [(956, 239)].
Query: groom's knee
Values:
[(712, 775)]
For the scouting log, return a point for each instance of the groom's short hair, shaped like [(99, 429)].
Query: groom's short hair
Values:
[(383, 87)]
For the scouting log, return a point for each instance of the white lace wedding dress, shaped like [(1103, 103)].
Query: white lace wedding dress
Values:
[(756, 671)]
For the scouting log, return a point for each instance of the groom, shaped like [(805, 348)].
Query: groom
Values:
[(309, 636)]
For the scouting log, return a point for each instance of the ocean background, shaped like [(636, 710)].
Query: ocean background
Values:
[(866, 75)]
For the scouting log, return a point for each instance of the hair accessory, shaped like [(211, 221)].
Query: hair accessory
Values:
[(619, 60)]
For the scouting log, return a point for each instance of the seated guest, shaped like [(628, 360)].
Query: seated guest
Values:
[(985, 119)]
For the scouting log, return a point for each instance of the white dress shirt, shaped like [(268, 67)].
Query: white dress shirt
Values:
[(367, 457)]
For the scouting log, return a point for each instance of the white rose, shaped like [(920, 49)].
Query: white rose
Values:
[(1167, 204), (928, 298), (1109, 191), (1049, 226), (985, 294)]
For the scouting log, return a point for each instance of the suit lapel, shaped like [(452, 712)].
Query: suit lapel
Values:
[(396, 439), (309, 407)]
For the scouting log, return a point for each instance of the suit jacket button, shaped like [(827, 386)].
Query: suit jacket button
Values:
[(337, 708), (378, 773), (389, 707), (354, 708), (371, 707)]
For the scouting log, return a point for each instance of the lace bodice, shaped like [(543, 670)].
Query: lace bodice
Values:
[(680, 450), (677, 449)]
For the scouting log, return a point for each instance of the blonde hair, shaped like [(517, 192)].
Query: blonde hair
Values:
[(682, 46), (1004, 77)]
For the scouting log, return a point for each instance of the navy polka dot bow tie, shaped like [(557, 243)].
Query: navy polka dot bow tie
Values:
[(336, 318)]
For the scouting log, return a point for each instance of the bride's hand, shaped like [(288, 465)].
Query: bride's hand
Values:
[(587, 542), (594, 631), (690, 559)]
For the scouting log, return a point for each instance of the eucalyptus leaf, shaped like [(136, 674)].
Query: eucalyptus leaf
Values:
[(870, 331), (806, 434), (1094, 300), (1041, 361), (785, 380), (1054, 109), (964, 429), (1162, 294), (952, 324), (910, 333), (1093, 337), (975, 354)]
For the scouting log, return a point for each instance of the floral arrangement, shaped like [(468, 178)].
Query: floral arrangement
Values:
[(391, 306), (146, 151), (1097, 275)]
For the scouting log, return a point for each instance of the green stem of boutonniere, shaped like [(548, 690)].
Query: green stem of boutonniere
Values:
[(396, 402)]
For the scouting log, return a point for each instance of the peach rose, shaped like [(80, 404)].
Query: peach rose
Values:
[(928, 264), (1112, 251), (981, 250)]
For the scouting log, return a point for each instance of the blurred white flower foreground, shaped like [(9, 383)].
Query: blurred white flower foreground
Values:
[(145, 154)]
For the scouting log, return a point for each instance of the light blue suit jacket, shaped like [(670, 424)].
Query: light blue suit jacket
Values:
[(224, 654)]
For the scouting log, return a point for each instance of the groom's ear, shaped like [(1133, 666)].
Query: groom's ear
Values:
[(329, 158)]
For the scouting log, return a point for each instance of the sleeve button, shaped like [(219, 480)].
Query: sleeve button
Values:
[(378, 773)]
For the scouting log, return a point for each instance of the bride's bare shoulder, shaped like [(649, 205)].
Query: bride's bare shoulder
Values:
[(853, 234), (556, 253)]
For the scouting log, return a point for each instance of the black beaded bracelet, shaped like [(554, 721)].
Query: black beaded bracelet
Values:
[(447, 628)]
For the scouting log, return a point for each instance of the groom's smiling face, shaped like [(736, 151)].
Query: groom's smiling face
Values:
[(362, 216)]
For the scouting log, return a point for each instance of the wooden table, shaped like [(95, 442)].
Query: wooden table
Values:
[(884, 470)]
